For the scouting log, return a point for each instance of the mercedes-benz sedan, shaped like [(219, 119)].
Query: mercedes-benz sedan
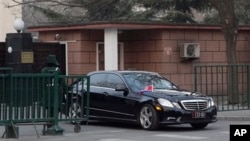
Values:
[(142, 97)]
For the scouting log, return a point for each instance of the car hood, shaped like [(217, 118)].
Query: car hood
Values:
[(174, 95)]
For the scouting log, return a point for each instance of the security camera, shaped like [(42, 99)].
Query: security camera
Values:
[(58, 37)]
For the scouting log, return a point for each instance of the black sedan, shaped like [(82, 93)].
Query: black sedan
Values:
[(142, 97)]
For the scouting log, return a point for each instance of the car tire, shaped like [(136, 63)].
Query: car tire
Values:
[(199, 125), (75, 112), (148, 117)]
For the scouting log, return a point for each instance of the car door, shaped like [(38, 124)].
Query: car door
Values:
[(116, 104), (97, 82)]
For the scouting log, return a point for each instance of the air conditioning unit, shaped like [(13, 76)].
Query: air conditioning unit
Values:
[(190, 50)]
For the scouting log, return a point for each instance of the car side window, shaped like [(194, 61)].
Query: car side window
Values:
[(97, 80), (113, 81)]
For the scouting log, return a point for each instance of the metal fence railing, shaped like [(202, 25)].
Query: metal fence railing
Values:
[(41, 99), (229, 85)]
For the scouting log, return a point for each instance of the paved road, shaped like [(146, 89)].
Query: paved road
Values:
[(99, 131)]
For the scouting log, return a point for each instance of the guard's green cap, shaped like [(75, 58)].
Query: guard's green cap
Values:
[(52, 60)]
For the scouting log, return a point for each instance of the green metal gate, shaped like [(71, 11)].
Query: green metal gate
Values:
[(39, 99), (229, 85)]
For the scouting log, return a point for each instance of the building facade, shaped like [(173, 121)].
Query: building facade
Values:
[(150, 47)]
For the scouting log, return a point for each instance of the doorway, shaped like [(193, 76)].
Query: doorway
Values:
[(42, 50)]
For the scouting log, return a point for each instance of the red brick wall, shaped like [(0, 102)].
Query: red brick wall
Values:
[(84, 59), (158, 50), (153, 50)]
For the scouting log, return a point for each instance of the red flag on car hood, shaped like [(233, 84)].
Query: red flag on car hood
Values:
[(148, 88)]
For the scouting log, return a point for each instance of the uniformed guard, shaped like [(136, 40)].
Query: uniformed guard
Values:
[(52, 65), (48, 98)]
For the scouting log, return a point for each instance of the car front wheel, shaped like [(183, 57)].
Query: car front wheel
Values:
[(75, 112), (148, 117)]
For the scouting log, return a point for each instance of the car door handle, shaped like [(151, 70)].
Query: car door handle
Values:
[(105, 93)]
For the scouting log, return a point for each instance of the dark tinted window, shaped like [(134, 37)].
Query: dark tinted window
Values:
[(113, 81), (97, 80)]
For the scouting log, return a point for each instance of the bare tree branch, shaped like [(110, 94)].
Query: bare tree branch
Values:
[(67, 3)]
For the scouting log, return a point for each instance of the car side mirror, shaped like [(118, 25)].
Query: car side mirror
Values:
[(122, 88)]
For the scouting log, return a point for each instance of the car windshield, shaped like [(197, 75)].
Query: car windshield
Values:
[(140, 80)]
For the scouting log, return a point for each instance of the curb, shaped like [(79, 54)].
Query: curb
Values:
[(233, 118)]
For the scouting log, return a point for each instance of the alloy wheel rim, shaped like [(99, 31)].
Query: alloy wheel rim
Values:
[(146, 117), (75, 110)]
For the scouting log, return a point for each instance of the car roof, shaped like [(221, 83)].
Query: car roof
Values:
[(120, 71)]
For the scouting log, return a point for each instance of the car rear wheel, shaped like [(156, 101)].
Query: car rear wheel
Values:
[(148, 117), (199, 125), (75, 112)]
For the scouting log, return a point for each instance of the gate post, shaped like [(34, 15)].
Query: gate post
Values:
[(19, 53)]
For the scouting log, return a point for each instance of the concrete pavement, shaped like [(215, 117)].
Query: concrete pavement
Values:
[(29, 134), (235, 115)]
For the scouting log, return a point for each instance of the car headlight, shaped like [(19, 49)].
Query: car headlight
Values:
[(165, 102), (211, 102)]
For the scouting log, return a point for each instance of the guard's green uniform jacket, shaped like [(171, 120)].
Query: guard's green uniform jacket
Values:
[(47, 99)]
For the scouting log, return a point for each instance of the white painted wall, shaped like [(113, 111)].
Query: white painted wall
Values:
[(7, 17)]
